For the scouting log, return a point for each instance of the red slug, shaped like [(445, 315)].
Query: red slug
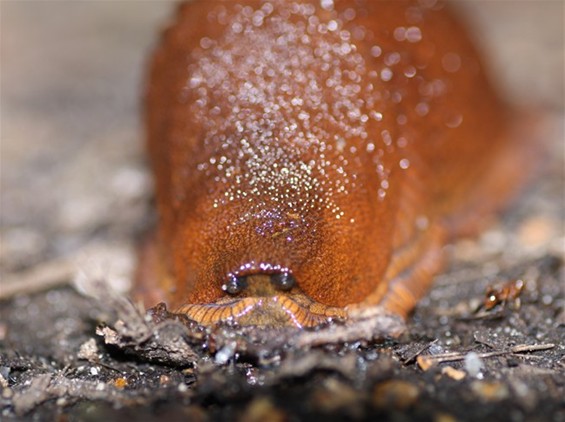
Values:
[(313, 157)]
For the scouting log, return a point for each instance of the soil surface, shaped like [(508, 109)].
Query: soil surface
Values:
[(76, 198)]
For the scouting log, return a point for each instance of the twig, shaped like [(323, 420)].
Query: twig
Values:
[(456, 356), (41, 277), (411, 358)]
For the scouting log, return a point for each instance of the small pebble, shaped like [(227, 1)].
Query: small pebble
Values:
[(88, 350), (490, 391), (4, 374), (395, 393), (224, 354), (120, 383), (453, 373), (335, 395), (262, 409)]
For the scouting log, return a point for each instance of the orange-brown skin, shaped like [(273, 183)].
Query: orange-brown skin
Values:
[(339, 142)]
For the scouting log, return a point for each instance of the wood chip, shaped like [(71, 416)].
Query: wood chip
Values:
[(453, 373)]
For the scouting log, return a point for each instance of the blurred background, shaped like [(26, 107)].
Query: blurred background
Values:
[(72, 165)]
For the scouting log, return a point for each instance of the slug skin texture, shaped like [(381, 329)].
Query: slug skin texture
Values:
[(313, 157)]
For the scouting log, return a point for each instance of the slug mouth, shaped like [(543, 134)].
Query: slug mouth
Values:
[(264, 300)]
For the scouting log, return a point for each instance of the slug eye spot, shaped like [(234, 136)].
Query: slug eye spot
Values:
[(235, 285), (283, 281)]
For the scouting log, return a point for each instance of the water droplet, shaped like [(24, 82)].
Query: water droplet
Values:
[(413, 34), (327, 4), (392, 58), (376, 51), (349, 14), (401, 119), (386, 74), (451, 62), (422, 222), (399, 33), (404, 163), (206, 43), (454, 121), (376, 115), (410, 72), (422, 109), (237, 27)]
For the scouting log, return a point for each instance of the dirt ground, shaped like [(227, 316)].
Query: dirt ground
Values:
[(76, 197)]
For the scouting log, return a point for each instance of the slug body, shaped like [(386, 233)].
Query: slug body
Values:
[(312, 157)]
